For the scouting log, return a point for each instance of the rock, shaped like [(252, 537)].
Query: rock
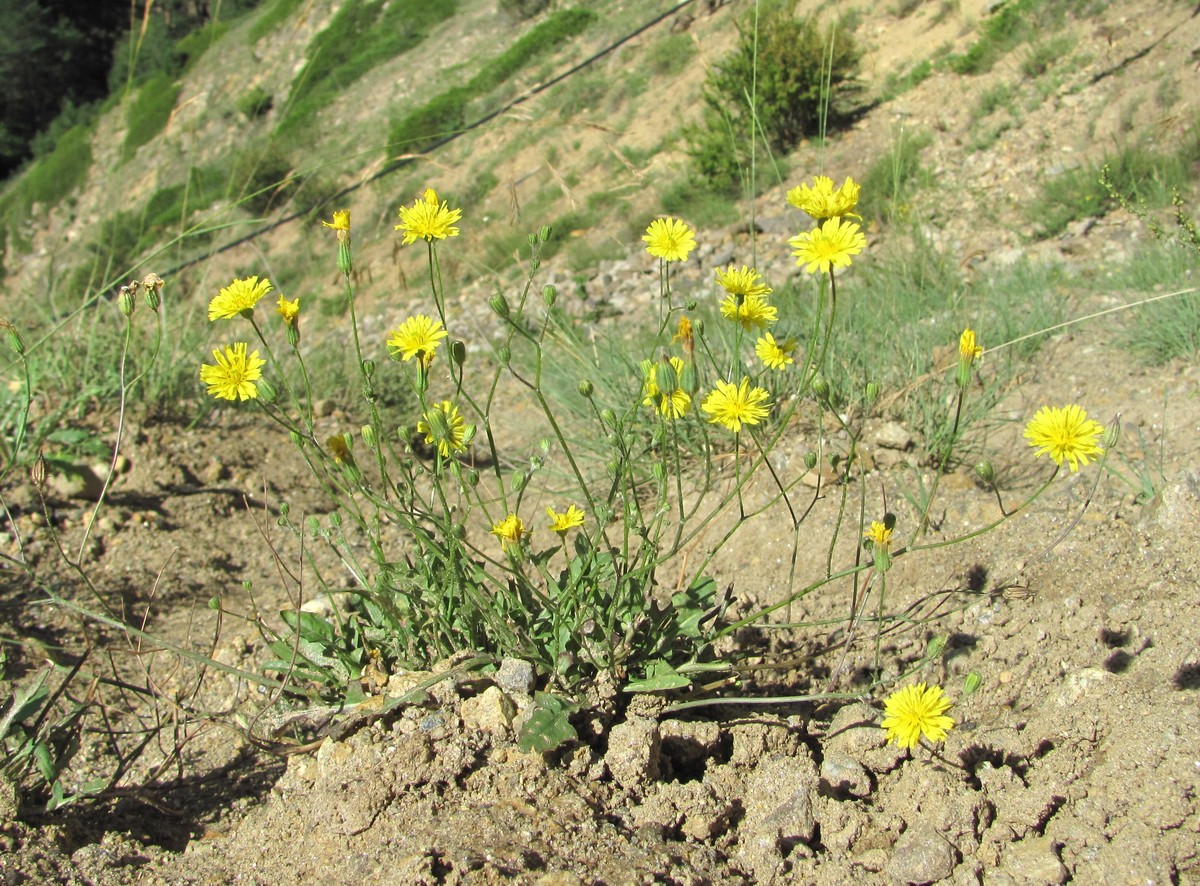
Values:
[(842, 774), (633, 753), (516, 677), (690, 808), (855, 733), (894, 436), (778, 799), (921, 855), (767, 735), (491, 711), (1032, 860), (84, 482), (1175, 509)]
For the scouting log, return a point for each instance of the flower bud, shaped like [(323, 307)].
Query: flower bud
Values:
[(214, 603), (297, 440), (659, 472), (608, 417), (499, 304), (472, 478), (266, 391), (533, 239), (549, 295), (292, 332), (972, 682), (1112, 434), (369, 436), (345, 261), (37, 472), (14, 338), (872, 391), (458, 352), (691, 304), (586, 389), (613, 466), (368, 368), (820, 388), (544, 444), (544, 233), (986, 472), (458, 530), (810, 460), (518, 481), (613, 440), (335, 519), (284, 509), (698, 326), (125, 300), (505, 354), (535, 263)]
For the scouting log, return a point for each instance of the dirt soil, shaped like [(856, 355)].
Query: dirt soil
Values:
[(1076, 760)]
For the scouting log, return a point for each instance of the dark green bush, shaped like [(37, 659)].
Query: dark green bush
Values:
[(149, 112), (799, 75), (524, 8), (255, 103), (262, 178)]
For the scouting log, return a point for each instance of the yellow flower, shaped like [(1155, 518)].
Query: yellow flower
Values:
[(510, 531), (915, 711), (341, 220), (751, 311), (416, 335), (339, 447), (233, 376), (821, 201), (663, 392), (735, 406), (239, 297), (669, 239), (745, 282), (686, 336), (774, 354), (428, 219), (443, 425), (880, 535), (569, 519), (968, 350), (828, 245), (288, 310), (1065, 433)]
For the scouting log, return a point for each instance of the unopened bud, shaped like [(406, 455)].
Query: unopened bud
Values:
[(369, 436), (37, 472), (14, 337), (820, 388), (810, 460), (472, 478), (214, 603), (972, 683), (284, 509), (698, 326), (613, 466), (986, 472), (296, 439), (691, 304), (872, 391), (1112, 433), (608, 417), (292, 332), (549, 295), (266, 391), (499, 304), (368, 368), (345, 261), (518, 481), (505, 354), (458, 351), (544, 233), (125, 300), (659, 472), (535, 263), (586, 389)]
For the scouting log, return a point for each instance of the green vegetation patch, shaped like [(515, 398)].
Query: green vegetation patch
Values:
[(149, 112), (360, 37), (446, 113), (1014, 24), (275, 15)]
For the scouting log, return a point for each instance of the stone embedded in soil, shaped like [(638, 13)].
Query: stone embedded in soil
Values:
[(633, 753), (855, 733), (1033, 860), (491, 711), (842, 774), (514, 676), (78, 482), (689, 743), (689, 808), (922, 855), (766, 735), (894, 436)]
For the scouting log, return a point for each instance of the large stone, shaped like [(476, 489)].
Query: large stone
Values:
[(633, 753), (922, 855)]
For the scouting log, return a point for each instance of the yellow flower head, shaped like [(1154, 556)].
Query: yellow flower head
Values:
[(751, 311), (880, 535), (669, 239), (339, 447), (510, 531), (233, 376), (734, 406), (828, 245), (821, 201), (968, 350), (1065, 433), (743, 281), (774, 354), (239, 297), (428, 219), (418, 334), (288, 310), (662, 387), (341, 220), (686, 336), (443, 425), (915, 711), (565, 521)]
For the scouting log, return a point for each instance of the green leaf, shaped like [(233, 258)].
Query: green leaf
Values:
[(660, 677), (549, 726)]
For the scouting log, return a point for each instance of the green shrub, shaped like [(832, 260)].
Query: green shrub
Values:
[(280, 11), (802, 78), (61, 171), (149, 112), (188, 49), (262, 178), (524, 8), (439, 117), (255, 103)]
